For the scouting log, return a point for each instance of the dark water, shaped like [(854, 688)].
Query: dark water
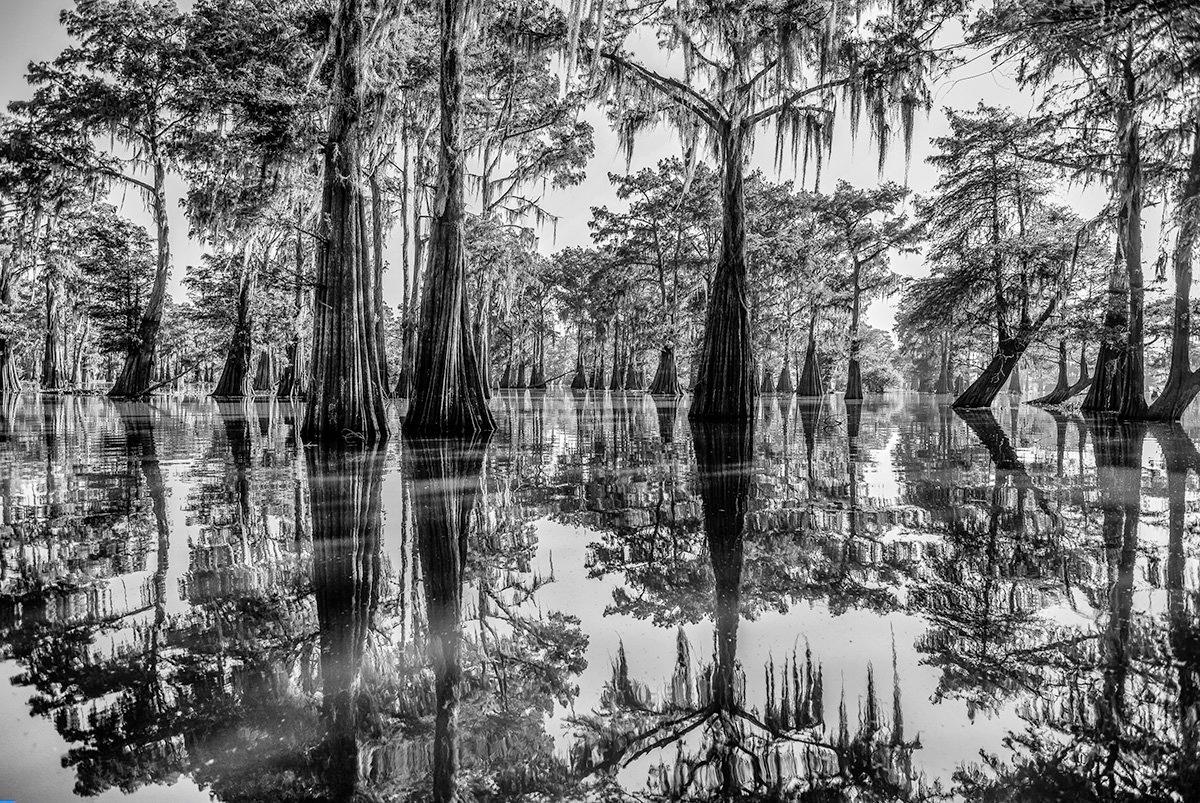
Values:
[(601, 602)]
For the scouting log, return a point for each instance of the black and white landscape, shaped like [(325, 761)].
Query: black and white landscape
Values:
[(537, 400)]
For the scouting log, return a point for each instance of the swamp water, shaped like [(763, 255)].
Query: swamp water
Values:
[(601, 601)]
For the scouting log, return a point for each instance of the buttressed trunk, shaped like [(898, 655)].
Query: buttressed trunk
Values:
[(347, 398), (1182, 382), (1133, 388), (854, 369), (53, 377), (1014, 382), (983, 391), (810, 376), (235, 375), (265, 375), (1103, 394), (725, 387), (666, 378), (138, 373), (9, 383), (291, 381), (448, 393)]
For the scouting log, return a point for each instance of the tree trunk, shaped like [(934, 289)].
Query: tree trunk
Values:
[(580, 380), (235, 374), (448, 394), (53, 376), (854, 369), (377, 214), (79, 358), (944, 382), (347, 398), (1062, 384), (725, 386), (785, 383), (291, 382), (264, 376), (1014, 382), (767, 382), (810, 377), (983, 391), (9, 383), (617, 380), (1182, 382), (483, 344), (138, 372), (666, 378), (1133, 387)]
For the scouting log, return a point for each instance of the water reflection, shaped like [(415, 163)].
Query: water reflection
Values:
[(883, 601)]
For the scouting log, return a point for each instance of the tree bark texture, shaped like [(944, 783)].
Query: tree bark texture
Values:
[(448, 394), (810, 376), (725, 387), (1182, 382), (666, 377), (347, 397), (138, 372), (235, 374)]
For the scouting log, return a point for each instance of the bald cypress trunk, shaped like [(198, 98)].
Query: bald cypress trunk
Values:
[(785, 384), (1183, 383), (347, 397), (810, 376), (235, 374), (725, 387), (854, 369), (1133, 388), (264, 376), (1014, 382), (137, 375), (1106, 381), (291, 381), (53, 376), (944, 382), (377, 226), (666, 378), (9, 382), (448, 393)]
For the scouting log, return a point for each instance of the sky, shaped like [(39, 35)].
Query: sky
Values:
[(31, 32)]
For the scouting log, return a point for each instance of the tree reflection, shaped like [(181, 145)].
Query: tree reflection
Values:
[(1114, 716), (345, 492), (445, 476), (726, 748)]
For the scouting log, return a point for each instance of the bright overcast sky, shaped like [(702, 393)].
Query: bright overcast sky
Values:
[(31, 32)]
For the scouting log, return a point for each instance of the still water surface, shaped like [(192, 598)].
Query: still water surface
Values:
[(601, 601)]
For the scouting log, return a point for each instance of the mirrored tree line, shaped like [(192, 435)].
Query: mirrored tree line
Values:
[(310, 646)]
